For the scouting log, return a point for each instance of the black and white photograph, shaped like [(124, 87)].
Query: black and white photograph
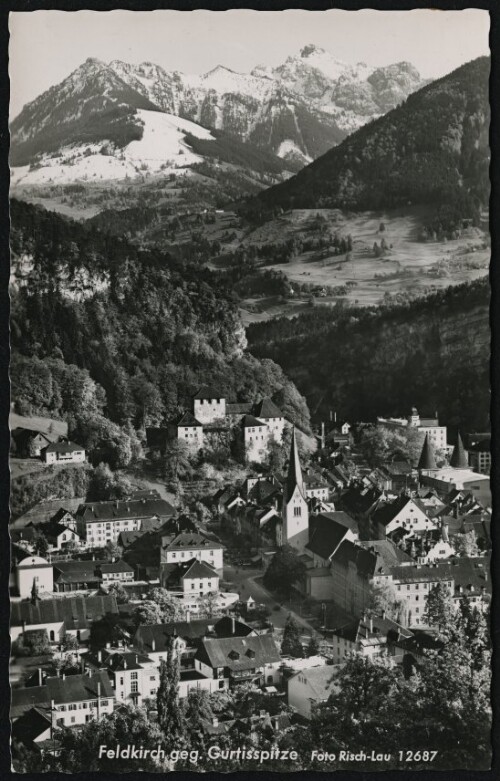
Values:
[(250, 435)]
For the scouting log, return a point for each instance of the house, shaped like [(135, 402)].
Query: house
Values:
[(31, 573), (33, 728), (188, 545), (480, 457), (190, 431), (76, 575), (327, 533), (255, 438), (102, 522), (58, 534), (310, 687), (115, 571), (63, 453), (315, 486), (234, 660), (371, 635), (401, 513), (449, 479), (191, 578), (29, 444), (267, 411), (464, 577), (72, 700), (347, 578), (59, 617), (294, 527), (134, 677)]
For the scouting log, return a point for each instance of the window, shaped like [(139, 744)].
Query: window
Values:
[(135, 687), (152, 677), (297, 511), (72, 719), (133, 676), (104, 703), (221, 684)]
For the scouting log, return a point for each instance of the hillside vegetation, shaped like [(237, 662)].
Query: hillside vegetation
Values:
[(432, 149), (433, 353), (113, 338)]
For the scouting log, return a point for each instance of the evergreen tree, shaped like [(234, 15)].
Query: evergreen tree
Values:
[(170, 717), (291, 644), (312, 646), (440, 610)]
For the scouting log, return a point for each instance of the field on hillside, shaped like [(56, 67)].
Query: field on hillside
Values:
[(55, 428), (407, 265)]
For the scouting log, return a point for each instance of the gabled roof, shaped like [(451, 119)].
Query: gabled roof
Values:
[(320, 679), (199, 569), (390, 555), (189, 421), (115, 566), (239, 653), (249, 421), (339, 516), (160, 633), (192, 541), (31, 725), (72, 688), (387, 511), (206, 392), (267, 409), (92, 512), (63, 447), (76, 572), (117, 660), (348, 553), (326, 537)]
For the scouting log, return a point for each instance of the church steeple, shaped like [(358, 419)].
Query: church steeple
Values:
[(294, 476), (427, 462), (459, 457)]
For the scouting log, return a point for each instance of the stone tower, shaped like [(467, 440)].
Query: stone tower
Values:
[(295, 512)]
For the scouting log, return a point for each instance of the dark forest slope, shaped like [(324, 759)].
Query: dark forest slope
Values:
[(431, 149)]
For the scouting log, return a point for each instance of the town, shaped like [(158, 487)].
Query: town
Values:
[(333, 547)]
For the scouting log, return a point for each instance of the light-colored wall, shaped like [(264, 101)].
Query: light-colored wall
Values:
[(209, 410), (44, 578), (214, 557), (296, 527), (76, 457)]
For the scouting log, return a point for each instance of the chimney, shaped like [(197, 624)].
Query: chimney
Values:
[(40, 677), (108, 645), (233, 625), (64, 676), (153, 644), (371, 624), (99, 655), (384, 614), (215, 721), (98, 688), (335, 417), (89, 672), (188, 616), (52, 704)]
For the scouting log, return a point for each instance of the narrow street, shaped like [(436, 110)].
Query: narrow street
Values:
[(245, 583)]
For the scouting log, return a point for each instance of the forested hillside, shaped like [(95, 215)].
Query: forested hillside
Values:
[(433, 353), (431, 149), (106, 335)]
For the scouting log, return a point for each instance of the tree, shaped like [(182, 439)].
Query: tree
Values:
[(169, 605), (170, 716), (106, 485), (466, 544), (291, 644), (284, 571), (197, 709), (113, 550), (119, 591), (79, 749), (70, 643), (312, 646), (383, 598), (148, 613), (40, 543), (440, 609), (177, 462)]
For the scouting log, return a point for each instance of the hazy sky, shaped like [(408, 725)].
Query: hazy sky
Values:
[(45, 46)]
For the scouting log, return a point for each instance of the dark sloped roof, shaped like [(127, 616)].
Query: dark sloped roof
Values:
[(326, 537), (459, 458), (231, 627), (115, 566), (189, 421), (160, 633), (78, 688), (427, 459), (389, 553), (267, 409), (188, 540), (76, 571), (124, 509), (239, 653), (294, 474), (72, 610), (199, 569), (339, 516), (63, 447), (238, 408), (33, 723), (206, 392), (387, 511), (364, 560), (27, 697), (249, 421)]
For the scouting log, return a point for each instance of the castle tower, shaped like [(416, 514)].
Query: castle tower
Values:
[(459, 458), (427, 461), (414, 418), (295, 512)]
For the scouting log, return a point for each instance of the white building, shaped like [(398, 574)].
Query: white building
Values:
[(311, 687), (209, 406), (294, 527), (63, 453), (191, 545), (33, 572)]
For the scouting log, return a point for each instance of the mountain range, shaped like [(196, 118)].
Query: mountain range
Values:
[(137, 116), (432, 149)]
